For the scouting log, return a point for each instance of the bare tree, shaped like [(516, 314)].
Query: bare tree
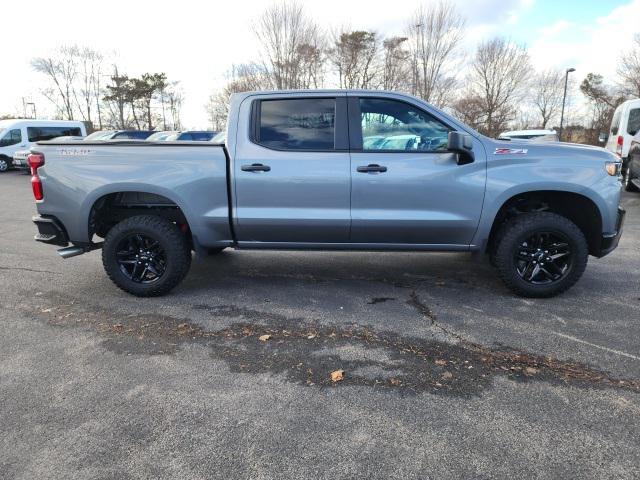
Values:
[(241, 78), (395, 72), (629, 70), (435, 33), (61, 68), (355, 56), (498, 76), (603, 100), (291, 45), (547, 95), (89, 71)]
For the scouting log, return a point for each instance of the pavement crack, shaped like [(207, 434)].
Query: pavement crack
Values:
[(24, 269)]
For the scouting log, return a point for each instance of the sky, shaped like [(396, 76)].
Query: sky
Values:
[(197, 42)]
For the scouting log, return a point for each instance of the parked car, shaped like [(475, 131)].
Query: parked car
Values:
[(101, 135), (193, 136), (540, 135), (295, 174), (625, 123), (632, 178), (220, 137), (160, 136), (21, 134)]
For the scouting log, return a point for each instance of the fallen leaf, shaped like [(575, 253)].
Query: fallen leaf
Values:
[(447, 375), (264, 338), (182, 326), (441, 362), (311, 337), (46, 310), (395, 381), (337, 376), (531, 370), (118, 326)]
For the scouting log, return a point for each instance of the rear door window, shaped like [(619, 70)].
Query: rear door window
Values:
[(296, 124), (615, 121), (634, 121), (39, 134)]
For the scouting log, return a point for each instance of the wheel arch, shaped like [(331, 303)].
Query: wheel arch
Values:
[(578, 207), (130, 200)]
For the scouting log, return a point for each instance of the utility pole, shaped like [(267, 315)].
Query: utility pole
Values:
[(564, 98)]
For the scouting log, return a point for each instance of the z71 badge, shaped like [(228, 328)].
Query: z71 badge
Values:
[(510, 151)]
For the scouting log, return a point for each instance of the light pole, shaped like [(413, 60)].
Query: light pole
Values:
[(564, 98)]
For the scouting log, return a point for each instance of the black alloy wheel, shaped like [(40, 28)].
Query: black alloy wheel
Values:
[(141, 258), (544, 258)]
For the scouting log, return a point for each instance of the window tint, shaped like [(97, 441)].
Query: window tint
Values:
[(297, 124), (39, 134), (394, 125), (634, 121), (11, 138)]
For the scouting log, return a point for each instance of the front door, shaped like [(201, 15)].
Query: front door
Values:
[(406, 187), (291, 173)]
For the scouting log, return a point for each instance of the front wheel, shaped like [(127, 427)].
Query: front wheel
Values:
[(541, 254), (4, 165), (146, 255)]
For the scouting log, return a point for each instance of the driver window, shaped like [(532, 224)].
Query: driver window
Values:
[(390, 125), (11, 138)]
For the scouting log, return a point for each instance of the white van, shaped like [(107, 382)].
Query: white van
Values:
[(624, 125), (22, 134)]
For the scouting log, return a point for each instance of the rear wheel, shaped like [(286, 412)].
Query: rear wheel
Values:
[(146, 255), (541, 254)]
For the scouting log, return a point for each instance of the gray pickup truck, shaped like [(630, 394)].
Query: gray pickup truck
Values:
[(331, 170)]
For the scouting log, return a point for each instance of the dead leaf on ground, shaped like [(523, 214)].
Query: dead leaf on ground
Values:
[(395, 381), (441, 362), (264, 338), (447, 375), (531, 370), (337, 376)]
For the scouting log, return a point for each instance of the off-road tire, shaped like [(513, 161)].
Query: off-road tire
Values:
[(522, 226), (173, 242)]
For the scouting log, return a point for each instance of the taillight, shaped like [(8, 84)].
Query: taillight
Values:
[(36, 160), (619, 145)]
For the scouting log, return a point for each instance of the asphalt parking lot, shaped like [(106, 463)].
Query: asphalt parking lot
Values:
[(447, 374)]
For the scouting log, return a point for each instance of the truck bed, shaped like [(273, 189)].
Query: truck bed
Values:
[(191, 175)]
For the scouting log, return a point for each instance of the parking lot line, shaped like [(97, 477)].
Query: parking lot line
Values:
[(607, 349)]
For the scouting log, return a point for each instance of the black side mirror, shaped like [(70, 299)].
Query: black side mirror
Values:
[(603, 137), (462, 144)]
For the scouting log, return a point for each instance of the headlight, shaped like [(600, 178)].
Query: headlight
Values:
[(613, 168)]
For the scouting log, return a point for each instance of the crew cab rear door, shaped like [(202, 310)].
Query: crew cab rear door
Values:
[(291, 170), (406, 187)]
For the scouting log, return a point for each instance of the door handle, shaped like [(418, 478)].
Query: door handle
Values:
[(256, 167), (372, 168)]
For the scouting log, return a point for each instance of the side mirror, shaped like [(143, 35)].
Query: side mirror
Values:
[(603, 137), (462, 144)]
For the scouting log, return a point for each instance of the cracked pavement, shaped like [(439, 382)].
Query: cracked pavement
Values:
[(447, 374)]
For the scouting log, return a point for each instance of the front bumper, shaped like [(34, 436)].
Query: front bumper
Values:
[(50, 231), (20, 164), (608, 243)]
